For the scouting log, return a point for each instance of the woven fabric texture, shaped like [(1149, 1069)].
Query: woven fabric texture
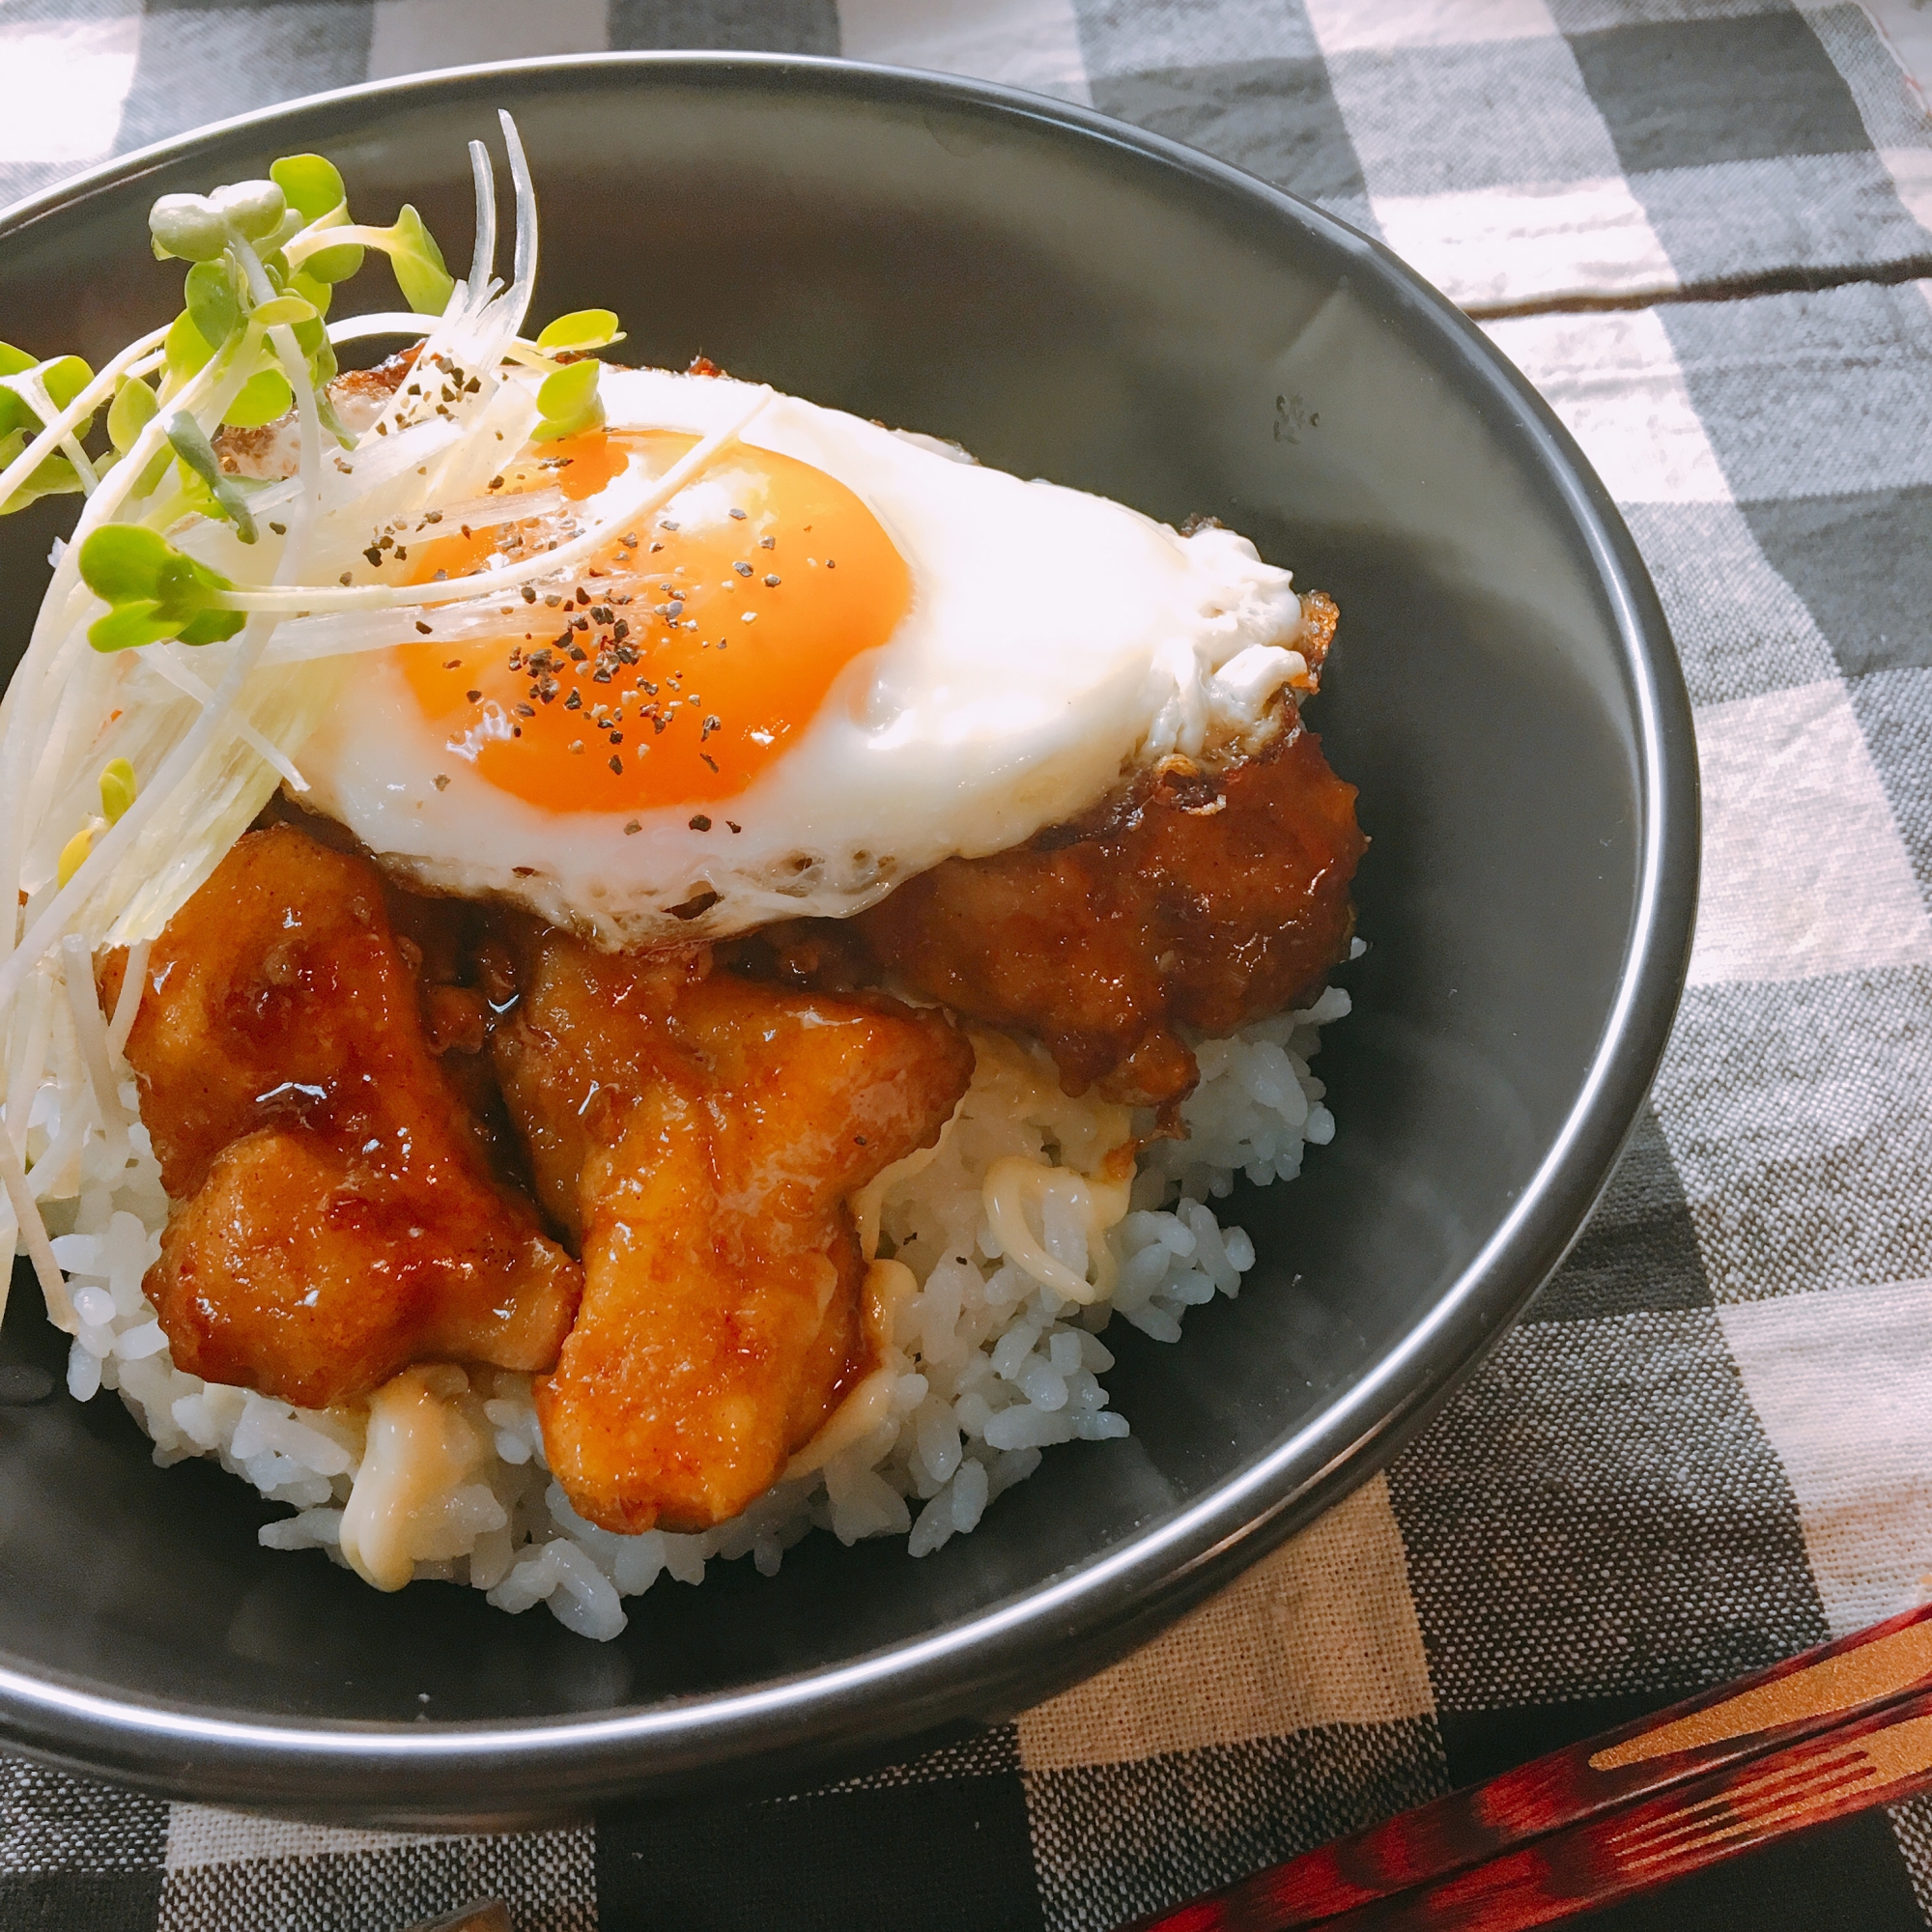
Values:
[(1700, 227)]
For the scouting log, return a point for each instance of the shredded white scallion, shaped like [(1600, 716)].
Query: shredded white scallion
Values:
[(163, 662), (210, 743), (90, 1032), (127, 1005), (633, 493)]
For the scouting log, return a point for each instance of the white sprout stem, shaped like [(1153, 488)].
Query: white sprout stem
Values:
[(22, 1092), (529, 355), (76, 412), (52, 925), (32, 1066), (483, 256), (524, 263), (127, 1003), (78, 1046), (482, 513), (55, 1173), (388, 322), (45, 931), (305, 242), (435, 335), (90, 1032), (162, 659), (308, 446), (33, 1232), (55, 635), (32, 389), (10, 1246), (294, 368), (305, 597), (313, 241), (72, 449), (60, 728)]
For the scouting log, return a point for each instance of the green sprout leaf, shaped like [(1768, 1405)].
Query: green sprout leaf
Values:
[(52, 476), (187, 226), (285, 310), (117, 788), (312, 289), (17, 412), (581, 331), (253, 209), (197, 454), (264, 398), (314, 189), (417, 262), (155, 592), (63, 378), (187, 350), (131, 410), (212, 305), (122, 561), (334, 265), (74, 856), (200, 227), (311, 183), (331, 421), (568, 402)]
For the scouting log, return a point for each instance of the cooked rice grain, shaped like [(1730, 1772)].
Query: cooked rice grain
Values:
[(991, 1368)]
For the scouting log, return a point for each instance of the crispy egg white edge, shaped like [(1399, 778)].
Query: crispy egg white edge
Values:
[(1026, 677)]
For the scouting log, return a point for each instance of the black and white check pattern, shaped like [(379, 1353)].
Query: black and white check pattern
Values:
[(1701, 228)]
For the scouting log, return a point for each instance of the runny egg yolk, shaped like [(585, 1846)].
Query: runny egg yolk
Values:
[(684, 658)]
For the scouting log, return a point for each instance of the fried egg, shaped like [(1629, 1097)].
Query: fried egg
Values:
[(840, 655)]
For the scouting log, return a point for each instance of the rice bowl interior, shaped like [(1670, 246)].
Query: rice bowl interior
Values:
[(945, 255), (372, 1196)]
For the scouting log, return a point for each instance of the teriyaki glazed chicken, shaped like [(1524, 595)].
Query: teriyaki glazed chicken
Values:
[(610, 965)]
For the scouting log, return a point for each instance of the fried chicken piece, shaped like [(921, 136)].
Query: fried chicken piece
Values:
[(588, 1033), (701, 1135), (306, 1272), (1198, 898), (338, 1217)]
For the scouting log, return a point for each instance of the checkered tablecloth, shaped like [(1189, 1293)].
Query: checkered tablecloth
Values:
[(1702, 229)]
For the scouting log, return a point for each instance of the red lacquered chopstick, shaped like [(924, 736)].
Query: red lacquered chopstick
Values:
[(1876, 1760), (484, 1914), (1835, 1730)]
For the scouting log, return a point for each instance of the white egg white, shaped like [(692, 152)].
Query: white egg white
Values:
[(1054, 639)]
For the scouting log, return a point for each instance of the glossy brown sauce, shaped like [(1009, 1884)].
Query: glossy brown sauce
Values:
[(700, 1133), (400, 1129), (342, 1205), (1197, 899), (355, 1094)]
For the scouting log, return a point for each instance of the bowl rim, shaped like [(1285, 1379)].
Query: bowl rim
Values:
[(995, 1662)]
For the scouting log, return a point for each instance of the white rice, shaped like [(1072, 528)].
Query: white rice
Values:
[(988, 1367)]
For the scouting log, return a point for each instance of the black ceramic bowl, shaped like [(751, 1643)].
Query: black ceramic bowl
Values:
[(1074, 300)]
